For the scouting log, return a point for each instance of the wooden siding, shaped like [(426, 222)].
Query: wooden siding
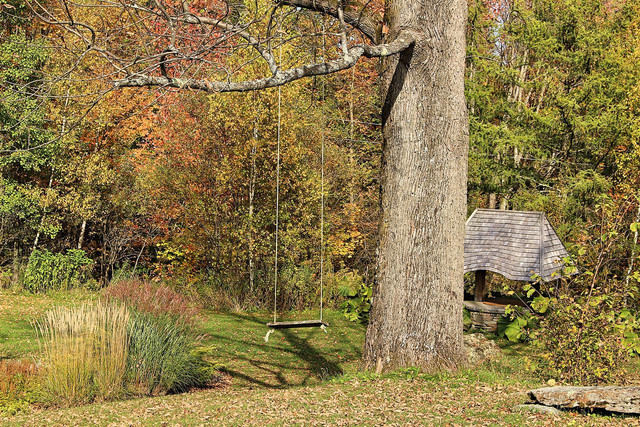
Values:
[(514, 244)]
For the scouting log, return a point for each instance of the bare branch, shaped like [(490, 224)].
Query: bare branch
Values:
[(255, 43), (404, 40), (190, 18), (368, 26), (343, 28)]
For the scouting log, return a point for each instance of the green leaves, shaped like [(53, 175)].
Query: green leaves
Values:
[(50, 271), (516, 329), (540, 304), (552, 88), (588, 340), (22, 113), (357, 305), (518, 326)]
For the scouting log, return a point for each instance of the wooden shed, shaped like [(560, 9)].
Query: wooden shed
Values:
[(515, 244)]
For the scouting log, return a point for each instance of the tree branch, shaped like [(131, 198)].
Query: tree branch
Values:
[(402, 42), (365, 24), (190, 18), (253, 42)]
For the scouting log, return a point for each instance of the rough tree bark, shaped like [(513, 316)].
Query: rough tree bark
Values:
[(416, 318)]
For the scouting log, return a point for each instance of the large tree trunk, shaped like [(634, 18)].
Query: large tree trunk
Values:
[(416, 317)]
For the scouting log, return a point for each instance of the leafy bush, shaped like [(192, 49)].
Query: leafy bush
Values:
[(156, 299), (587, 339), (581, 326), (297, 288), (5, 278), (629, 327), (357, 304), (19, 386), (162, 357), (48, 271), (589, 330), (123, 272), (517, 325), (85, 352), (466, 319)]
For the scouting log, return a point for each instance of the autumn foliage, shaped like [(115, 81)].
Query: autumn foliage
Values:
[(154, 299), (180, 186)]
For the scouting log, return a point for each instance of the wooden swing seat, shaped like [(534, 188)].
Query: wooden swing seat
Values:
[(297, 324)]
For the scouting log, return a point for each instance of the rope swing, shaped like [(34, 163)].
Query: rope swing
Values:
[(301, 323)]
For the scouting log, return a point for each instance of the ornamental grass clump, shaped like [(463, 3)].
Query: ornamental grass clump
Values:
[(162, 355), (85, 352), (163, 345), (111, 348)]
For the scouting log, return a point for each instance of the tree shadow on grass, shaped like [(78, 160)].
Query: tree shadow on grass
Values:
[(294, 362)]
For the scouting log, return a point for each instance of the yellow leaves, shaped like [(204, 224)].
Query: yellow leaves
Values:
[(345, 244)]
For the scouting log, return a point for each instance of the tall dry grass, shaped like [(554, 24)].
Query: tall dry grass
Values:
[(85, 352), (155, 299), (19, 385), (15, 377)]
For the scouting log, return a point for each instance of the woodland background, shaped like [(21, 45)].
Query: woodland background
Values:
[(180, 186)]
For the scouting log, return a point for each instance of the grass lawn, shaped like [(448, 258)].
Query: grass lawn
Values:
[(292, 357), (19, 310), (299, 377)]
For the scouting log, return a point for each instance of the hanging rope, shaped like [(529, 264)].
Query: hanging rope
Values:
[(298, 324), (322, 180), (275, 275)]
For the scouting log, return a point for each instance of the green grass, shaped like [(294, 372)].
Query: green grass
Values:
[(236, 341), (292, 357), (300, 377), (18, 311)]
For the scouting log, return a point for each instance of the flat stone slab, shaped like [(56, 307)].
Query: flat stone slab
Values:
[(483, 307), (625, 400), (538, 409)]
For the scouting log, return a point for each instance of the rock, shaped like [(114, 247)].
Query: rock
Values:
[(480, 348), (484, 316), (624, 400), (538, 409)]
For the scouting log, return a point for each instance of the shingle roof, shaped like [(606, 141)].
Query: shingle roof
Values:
[(512, 243)]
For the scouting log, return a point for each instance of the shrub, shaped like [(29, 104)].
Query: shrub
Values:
[(357, 304), (297, 288), (158, 299), (586, 340), (50, 271), (517, 325), (467, 323), (6, 278), (162, 357), (85, 352), (18, 385)]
